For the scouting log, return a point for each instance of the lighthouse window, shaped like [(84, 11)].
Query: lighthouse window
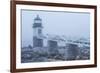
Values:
[(38, 21), (39, 31)]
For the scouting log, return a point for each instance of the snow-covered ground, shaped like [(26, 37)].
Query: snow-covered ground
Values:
[(77, 49)]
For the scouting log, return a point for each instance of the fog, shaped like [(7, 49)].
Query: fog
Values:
[(73, 24)]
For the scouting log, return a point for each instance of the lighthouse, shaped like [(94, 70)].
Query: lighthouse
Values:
[(37, 32)]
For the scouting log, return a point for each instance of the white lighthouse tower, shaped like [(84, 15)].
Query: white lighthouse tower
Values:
[(37, 32)]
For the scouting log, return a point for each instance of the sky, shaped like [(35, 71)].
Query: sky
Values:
[(73, 24)]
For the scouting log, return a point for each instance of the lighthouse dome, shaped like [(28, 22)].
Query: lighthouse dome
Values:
[(37, 18)]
